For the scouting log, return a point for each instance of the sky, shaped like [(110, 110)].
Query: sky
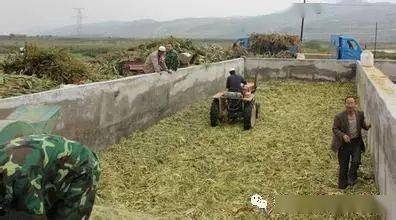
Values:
[(27, 16)]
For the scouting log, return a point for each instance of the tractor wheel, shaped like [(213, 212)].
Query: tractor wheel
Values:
[(258, 107), (249, 116), (214, 113)]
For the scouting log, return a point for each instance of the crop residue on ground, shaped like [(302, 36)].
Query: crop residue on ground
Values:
[(181, 167)]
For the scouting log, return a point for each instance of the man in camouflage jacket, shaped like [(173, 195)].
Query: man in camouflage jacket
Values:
[(48, 177)]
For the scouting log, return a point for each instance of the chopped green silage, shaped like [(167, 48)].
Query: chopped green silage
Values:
[(182, 167)]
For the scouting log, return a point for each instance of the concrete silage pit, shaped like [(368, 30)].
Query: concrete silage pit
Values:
[(182, 167)]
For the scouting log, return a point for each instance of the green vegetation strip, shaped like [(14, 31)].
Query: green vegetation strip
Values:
[(181, 167)]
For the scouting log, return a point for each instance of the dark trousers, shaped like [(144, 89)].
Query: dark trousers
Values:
[(349, 153)]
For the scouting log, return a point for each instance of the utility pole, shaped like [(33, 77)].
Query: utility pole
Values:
[(375, 43), (79, 17), (302, 23)]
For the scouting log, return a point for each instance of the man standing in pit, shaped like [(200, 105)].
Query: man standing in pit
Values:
[(348, 143), (47, 177)]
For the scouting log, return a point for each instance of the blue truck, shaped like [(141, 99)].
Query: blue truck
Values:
[(244, 41), (345, 48)]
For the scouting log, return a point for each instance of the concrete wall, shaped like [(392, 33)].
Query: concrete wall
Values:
[(388, 67), (377, 95), (99, 114), (327, 70)]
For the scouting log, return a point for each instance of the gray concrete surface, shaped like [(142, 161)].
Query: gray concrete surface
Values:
[(388, 67), (99, 114), (377, 95), (320, 70)]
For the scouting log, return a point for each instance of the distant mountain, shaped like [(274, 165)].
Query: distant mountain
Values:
[(321, 20)]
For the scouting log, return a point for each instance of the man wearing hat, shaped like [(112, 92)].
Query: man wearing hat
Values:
[(235, 82), (155, 62)]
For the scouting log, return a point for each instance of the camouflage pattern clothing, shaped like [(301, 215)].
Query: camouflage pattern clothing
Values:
[(172, 60), (48, 176)]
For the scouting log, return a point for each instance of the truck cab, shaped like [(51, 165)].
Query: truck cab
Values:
[(346, 48)]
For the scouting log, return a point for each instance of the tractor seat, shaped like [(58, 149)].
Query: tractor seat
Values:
[(233, 95)]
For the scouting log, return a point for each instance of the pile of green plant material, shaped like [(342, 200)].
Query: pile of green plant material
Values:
[(112, 63), (182, 167), (15, 85), (39, 69), (55, 64), (274, 44), (202, 54)]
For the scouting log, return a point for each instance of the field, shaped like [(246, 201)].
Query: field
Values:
[(183, 168), (85, 47), (88, 47), (101, 58)]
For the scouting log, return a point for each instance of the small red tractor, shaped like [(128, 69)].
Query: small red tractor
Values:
[(127, 68), (231, 106)]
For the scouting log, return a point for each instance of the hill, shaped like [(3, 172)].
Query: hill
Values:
[(322, 20)]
